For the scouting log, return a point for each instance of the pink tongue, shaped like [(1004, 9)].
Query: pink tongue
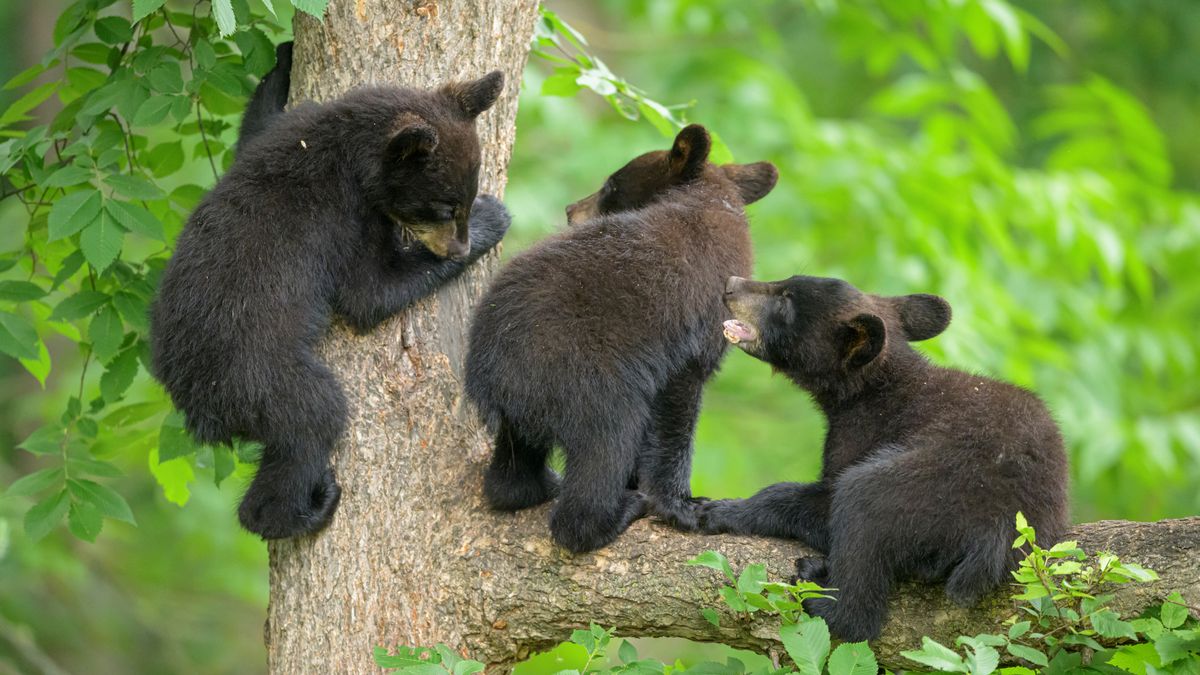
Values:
[(736, 331)]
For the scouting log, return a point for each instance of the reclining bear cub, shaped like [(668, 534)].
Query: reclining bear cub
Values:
[(924, 467)]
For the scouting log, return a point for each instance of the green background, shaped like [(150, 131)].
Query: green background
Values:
[(1034, 163)]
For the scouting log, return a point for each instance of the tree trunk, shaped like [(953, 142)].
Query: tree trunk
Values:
[(413, 557), (409, 461)]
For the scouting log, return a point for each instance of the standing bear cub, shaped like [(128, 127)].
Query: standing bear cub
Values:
[(924, 467), (358, 208), (600, 339)]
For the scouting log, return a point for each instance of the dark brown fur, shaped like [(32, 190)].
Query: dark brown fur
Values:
[(924, 467), (601, 337)]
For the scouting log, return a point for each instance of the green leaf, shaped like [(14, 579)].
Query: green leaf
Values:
[(1018, 629), (223, 463), (166, 77), (173, 440), (134, 187), (133, 309), (1135, 658), (853, 659), (627, 652), (44, 441), (1174, 611), (222, 11), (982, 660), (79, 305), (111, 504), (143, 8), (69, 267), (73, 212), (937, 656), (710, 615), (46, 515), (752, 578), (118, 375), (1108, 624), (468, 667), (713, 560), (92, 52), (562, 82), (16, 111), (1029, 654), (85, 521), (17, 338), (136, 219), (106, 333), (101, 241), (315, 8), (113, 30), (807, 643), (93, 467), (106, 98), (258, 54), (164, 158), (153, 111), (28, 75), (39, 367), (67, 176), (1016, 40), (1177, 645), (405, 657), (35, 482)]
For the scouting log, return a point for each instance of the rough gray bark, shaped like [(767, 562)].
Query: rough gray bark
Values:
[(377, 575), (413, 557)]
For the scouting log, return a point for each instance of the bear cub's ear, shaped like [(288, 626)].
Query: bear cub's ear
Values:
[(922, 315), (689, 153), (863, 338), (477, 95), (754, 181), (415, 140)]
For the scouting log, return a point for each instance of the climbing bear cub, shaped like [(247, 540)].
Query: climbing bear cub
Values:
[(600, 339), (358, 208), (924, 467)]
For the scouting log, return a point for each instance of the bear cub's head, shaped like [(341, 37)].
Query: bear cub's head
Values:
[(648, 177), (821, 331), (430, 172)]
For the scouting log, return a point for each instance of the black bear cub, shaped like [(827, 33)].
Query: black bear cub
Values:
[(924, 467), (358, 208), (600, 338)]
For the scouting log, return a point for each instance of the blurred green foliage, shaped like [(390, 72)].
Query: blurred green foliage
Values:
[(1031, 162), (984, 151)]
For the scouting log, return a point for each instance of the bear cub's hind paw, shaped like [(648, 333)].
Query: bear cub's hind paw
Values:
[(274, 513)]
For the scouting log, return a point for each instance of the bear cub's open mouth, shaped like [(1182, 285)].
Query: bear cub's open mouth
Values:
[(739, 331)]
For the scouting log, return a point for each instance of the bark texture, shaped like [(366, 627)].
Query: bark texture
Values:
[(378, 575), (413, 557)]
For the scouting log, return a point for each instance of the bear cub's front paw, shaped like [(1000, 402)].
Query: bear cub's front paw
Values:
[(489, 222), (679, 512), (811, 568), (719, 516)]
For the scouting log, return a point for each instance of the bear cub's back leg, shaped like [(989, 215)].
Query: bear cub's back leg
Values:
[(294, 491), (595, 505), (518, 476)]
